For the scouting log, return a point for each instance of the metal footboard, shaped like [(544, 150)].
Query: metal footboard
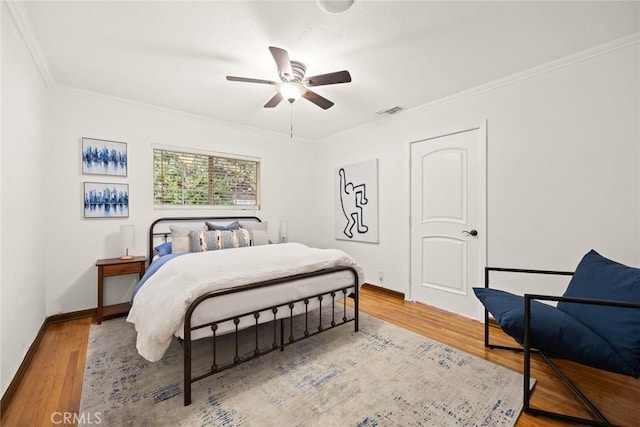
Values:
[(280, 313)]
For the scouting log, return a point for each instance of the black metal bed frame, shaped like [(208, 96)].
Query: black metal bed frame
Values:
[(338, 294), (528, 351)]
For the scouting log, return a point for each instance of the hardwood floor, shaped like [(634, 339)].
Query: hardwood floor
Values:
[(53, 385)]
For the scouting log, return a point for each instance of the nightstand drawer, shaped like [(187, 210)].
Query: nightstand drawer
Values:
[(114, 270)]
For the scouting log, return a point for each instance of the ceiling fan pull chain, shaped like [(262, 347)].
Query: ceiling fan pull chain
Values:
[(291, 105)]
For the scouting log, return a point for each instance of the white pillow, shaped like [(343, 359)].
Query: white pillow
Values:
[(258, 231), (180, 241)]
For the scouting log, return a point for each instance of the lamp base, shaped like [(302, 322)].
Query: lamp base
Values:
[(125, 257)]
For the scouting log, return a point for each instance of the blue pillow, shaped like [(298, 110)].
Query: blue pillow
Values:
[(600, 278), (235, 225), (552, 331), (163, 249)]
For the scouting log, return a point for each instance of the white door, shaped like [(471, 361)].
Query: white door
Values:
[(448, 193)]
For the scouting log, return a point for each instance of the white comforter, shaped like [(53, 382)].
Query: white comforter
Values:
[(160, 305)]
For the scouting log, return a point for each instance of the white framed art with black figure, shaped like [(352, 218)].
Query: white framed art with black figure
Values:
[(356, 202)]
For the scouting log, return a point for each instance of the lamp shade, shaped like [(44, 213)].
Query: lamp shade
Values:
[(127, 239), (284, 231)]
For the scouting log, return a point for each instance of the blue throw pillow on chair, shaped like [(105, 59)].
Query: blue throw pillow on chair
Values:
[(551, 330), (600, 278)]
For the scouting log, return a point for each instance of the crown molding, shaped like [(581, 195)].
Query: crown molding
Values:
[(143, 106), (566, 61), (19, 14)]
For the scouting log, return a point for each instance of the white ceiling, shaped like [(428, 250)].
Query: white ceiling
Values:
[(176, 55)]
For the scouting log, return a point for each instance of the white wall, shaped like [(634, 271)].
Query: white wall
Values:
[(25, 106), (563, 169), (76, 243)]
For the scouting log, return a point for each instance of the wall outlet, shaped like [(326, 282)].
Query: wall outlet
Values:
[(381, 276)]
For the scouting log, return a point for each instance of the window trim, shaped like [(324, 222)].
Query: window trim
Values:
[(197, 151)]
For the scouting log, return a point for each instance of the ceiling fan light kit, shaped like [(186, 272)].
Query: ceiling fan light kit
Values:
[(291, 91)]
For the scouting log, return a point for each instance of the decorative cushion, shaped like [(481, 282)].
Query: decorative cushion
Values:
[(163, 249), (180, 241), (234, 238), (552, 331), (258, 232), (600, 278), (235, 225), (220, 239)]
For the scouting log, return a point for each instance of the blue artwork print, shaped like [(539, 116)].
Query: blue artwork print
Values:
[(352, 199), (356, 201), (102, 200), (101, 157)]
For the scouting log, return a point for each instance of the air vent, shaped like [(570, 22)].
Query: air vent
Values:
[(391, 111)]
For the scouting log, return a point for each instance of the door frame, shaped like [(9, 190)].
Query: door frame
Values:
[(482, 187)]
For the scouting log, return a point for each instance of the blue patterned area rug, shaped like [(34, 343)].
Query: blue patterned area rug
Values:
[(381, 376)]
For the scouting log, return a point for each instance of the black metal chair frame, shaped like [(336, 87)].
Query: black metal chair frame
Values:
[(528, 351)]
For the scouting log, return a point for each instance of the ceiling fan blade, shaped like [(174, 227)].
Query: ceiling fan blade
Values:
[(250, 80), (320, 101), (274, 101), (329, 79), (282, 61)]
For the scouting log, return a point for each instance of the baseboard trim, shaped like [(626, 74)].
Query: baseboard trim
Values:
[(380, 289), (74, 315), (28, 358), (22, 369)]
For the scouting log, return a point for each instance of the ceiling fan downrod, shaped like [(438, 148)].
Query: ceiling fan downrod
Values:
[(291, 129)]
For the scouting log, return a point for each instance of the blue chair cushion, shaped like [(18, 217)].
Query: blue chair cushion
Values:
[(551, 331), (600, 278)]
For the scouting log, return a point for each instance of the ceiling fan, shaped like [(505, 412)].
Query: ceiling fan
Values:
[(293, 83)]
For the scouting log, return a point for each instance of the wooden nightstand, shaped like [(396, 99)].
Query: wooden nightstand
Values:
[(116, 267)]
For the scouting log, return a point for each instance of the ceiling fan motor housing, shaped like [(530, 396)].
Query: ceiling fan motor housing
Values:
[(299, 69)]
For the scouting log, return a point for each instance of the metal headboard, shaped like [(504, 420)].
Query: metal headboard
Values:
[(176, 220)]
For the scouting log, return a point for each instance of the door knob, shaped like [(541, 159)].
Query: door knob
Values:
[(471, 233)]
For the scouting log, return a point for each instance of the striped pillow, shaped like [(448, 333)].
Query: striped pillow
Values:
[(221, 239)]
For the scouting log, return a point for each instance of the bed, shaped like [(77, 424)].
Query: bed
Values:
[(219, 279)]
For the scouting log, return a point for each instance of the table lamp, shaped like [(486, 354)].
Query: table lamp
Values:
[(284, 231), (127, 239)]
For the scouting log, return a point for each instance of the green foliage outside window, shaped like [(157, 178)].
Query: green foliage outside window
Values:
[(183, 178)]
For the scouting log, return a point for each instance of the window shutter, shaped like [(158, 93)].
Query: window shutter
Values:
[(184, 178)]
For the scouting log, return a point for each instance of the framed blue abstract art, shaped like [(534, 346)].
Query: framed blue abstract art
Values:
[(106, 200), (102, 157)]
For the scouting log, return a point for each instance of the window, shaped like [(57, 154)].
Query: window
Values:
[(182, 178)]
